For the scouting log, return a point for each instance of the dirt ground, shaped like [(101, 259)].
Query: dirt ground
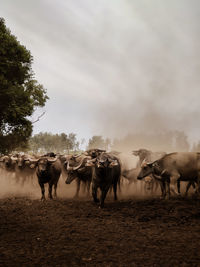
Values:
[(129, 232)]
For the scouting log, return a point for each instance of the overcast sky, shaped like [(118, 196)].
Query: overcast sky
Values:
[(113, 67)]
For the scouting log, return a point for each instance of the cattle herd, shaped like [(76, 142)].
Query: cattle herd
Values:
[(103, 171)]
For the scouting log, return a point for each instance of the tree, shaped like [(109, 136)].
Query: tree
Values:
[(96, 141), (20, 93)]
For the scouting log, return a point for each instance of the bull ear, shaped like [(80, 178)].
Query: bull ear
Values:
[(113, 163), (150, 164), (154, 164)]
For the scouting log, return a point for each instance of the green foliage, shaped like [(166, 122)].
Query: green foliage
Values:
[(58, 143), (20, 93)]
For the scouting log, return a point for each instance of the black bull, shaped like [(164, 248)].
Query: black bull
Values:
[(106, 172), (81, 173), (76, 170), (173, 168), (48, 170)]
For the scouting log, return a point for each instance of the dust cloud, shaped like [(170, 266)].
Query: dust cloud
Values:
[(113, 68), (10, 187), (29, 188)]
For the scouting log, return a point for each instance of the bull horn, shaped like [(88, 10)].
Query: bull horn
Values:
[(33, 160), (13, 158), (149, 163), (114, 163), (68, 167), (76, 156), (52, 160), (77, 167)]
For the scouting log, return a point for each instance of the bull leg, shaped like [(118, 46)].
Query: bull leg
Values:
[(78, 183), (152, 189), (50, 191), (42, 191), (94, 193), (178, 186), (17, 178), (145, 189), (55, 190), (193, 185), (167, 192), (174, 178), (198, 183), (115, 191), (103, 196), (188, 187), (156, 185), (163, 189), (119, 185), (88, 188)]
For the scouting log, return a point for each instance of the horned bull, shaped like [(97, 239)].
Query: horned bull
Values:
[(24, 168), (48, 170), (106, 172), (173, 168), (80, 173)]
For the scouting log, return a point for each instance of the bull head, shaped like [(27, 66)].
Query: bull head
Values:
[(113, 163), (146, 169), (106, 163)]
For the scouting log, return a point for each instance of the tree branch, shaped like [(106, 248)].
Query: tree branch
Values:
[(39, 117)]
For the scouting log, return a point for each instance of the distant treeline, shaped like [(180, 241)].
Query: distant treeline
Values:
[(68, 143), (59, 143)]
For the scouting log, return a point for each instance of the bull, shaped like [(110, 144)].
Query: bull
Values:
[(149, 156), (8, 165), (150, 184), (80, 172), (106, 172), (24, 168), (48, 170), (173, 168)]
